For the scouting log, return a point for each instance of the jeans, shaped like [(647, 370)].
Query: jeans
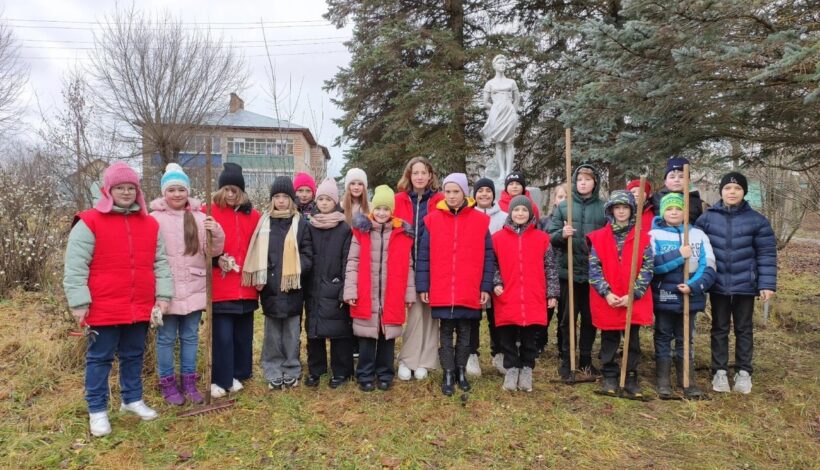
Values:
[(451, 355), (668, 327), (128, 343), (375, 359), (280, 348), (186, 328), (232, 348), (610, 341), (737, 310), (518, 356)]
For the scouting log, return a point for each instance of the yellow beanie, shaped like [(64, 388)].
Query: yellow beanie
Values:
[(383, 196)]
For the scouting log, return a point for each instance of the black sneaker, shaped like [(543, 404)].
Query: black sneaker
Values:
[(564, 372), (338, 381), (366, 386), (312, 381), (384, 385)]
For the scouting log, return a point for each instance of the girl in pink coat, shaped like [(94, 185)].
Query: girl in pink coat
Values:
[(182, 226)]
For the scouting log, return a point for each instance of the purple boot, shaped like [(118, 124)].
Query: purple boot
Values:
[(169, 390), (189, 388)]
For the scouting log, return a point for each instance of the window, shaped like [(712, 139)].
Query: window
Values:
[(269, 147), (196, 144)]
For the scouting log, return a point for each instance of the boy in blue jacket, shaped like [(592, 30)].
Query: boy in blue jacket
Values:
[(668, 290), (746, 252)]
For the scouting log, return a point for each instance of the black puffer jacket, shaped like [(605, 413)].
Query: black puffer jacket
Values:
[(327, 314), (275, 303)]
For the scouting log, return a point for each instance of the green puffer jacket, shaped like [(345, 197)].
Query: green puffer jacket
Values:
[(587, 216)]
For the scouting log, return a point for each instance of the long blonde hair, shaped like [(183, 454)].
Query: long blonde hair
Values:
[(347, 203), (406, 184), (219, 197)]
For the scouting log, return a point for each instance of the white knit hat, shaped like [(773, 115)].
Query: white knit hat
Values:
[(355, 174)]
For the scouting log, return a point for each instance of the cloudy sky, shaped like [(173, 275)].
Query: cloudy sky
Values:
[(57, 35)]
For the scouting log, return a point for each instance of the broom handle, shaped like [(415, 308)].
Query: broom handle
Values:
[(570, 278), (633, 273), (686, 332), (209, 279)]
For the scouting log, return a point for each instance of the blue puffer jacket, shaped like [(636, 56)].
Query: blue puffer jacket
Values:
[(666, 243), (745, 248)]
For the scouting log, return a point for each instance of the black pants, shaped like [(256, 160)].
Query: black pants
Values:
[(588, 331), (449, 355), (518, 356), (341, 356), (739, 310), (610, 359), (494, 347), (232, 348), (376, 359)]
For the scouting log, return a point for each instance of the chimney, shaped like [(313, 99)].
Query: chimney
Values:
[(236, 103)]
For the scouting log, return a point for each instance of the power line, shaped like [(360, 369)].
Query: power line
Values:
[(249, 27), (214, 47), (259, 41), (249, 56), (195, 23)]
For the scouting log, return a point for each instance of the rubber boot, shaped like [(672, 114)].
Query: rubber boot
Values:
[(609, 385), (662, 369), (631, 386), (462, 379), (170, 392), (189, 388), (448, 383)]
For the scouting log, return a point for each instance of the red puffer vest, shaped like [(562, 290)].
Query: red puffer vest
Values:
[(616, 271), (238, 228), (121, 274), (404, 206), (521, 262), (456, 255)]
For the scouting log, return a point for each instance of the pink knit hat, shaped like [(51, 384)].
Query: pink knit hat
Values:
[(118, 173), (328, 188), (304, 179)]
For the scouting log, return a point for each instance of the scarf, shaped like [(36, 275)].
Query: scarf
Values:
[(326, 221), (255, 270)]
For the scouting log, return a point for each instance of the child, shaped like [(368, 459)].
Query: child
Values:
[(668, 289), (454, 274), (514, 185), (484, 194), (379, 286), (305, 187), (417, 196), (588, 215), (648, 208), (522, 287), (557, 195), (279, 253), (115, 274), (354, 200), (327, 316), (746, 252), (673, 183), (233, 304), (182, 225), (610, 265)]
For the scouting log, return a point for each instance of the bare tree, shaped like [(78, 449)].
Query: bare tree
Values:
[(163, 78), (13, 76)]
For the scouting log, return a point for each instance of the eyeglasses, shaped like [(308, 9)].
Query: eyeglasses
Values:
[(124, 189)]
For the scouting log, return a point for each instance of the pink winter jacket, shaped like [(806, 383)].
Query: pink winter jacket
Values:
[(188, 271)]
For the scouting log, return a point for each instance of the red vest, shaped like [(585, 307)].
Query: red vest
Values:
[(521, 262), (238, 228), (404, 206), (616, 271), (506, 198), (121, 274), (456, 256), (398, 266)]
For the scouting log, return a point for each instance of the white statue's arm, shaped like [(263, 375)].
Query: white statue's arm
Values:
[(516, 96), (486, 96)]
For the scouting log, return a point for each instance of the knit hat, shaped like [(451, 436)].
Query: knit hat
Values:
[(383, 196), (174, 175), (515, 176), (647, 187), (484, 183), (671, 200), (675, 164), (118, 173), (521, 200), (282, 184), (619, 197), (458, 178), (328, 188), (736, 178), (355, 174), (304, 179), (231, 176)]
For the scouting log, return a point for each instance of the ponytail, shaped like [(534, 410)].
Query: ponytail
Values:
[(191, 232)]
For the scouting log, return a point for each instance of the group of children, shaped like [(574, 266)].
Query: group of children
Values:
[(421, 264)]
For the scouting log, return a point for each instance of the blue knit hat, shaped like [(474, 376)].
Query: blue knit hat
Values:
[(174, 175), (675, 164)]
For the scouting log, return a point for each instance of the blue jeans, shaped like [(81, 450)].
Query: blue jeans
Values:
[(128, 342), (668, 327), (186, 327)]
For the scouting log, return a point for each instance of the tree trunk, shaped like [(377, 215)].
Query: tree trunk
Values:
[(458, 141)]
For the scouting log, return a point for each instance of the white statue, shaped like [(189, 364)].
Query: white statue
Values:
[(502, 99)]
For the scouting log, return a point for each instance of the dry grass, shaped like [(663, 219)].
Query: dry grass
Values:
[(43, 421)]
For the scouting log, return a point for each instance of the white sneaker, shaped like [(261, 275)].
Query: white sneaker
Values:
[(404, 372), (498, 363), (98, 423), (720, 382), (743, 382), (473, 366), (217, 391), (420, 373), (235, 386), (140, 409)]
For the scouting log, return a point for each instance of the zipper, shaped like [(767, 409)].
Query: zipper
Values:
[(381, 263), (415, 226), (521, 280), (238, 243), (728, 274), (453, 270), (133, 268)]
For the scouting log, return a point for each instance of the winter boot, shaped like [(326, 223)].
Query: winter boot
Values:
[(631, 386), (473, 366), (663, 367), (525, 379), (511, 379), (170, 392), (692, 391), (462, 379), (609, 386), (189, 388), (448, 383)]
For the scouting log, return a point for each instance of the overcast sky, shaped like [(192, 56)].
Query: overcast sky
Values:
[(56, 34)]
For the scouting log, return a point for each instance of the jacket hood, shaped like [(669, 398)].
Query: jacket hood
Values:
[(509, 224), (660, 224), (620, 197), (720, 207), (442, 205), (364, 223), (490, 211), (597, 187), (160, 204)]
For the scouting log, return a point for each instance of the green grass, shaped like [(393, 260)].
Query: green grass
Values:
[(43, 420)]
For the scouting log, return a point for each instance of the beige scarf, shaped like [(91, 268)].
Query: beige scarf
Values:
[(255, 270)]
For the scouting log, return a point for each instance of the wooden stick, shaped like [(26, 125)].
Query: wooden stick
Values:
[(633, 274), (686, 332), (209, 279), (570, 278)]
